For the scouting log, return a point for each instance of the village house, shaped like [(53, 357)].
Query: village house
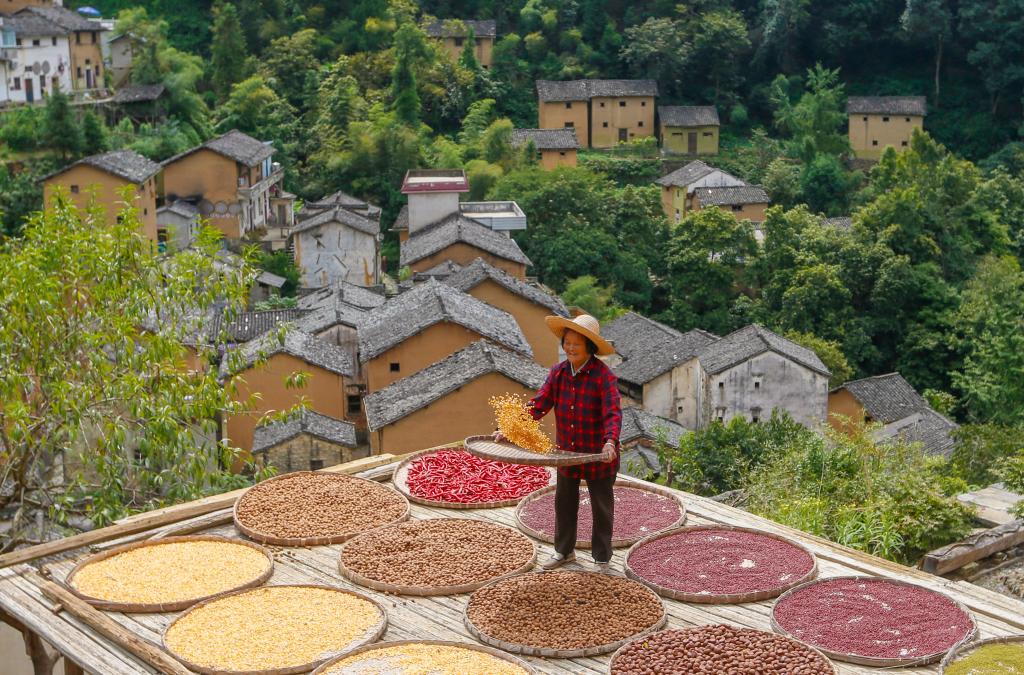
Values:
[(877, 122), (337, 244), (677, 187), (306, 441), (745, 202), (427, 324), (245, 326), (603, 112), (35, 57), (178, 224), (329, 381), (889, 400), (102, 177), (641, 433), (83, 36), (453, 33), (839, 222), (343, 200), (342, 293), (141, 103), (448, 400), (557, 147), (230, 180), (118, 54), (526, 302), (461, 240), (689, 129)]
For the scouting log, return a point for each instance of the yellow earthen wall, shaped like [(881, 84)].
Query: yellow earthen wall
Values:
[(529, 316), (886, 130), (213, 177), (552, 159), (843, 404), (463, 254), (84, 49), (636, 116), (426, 348), (86, 179), (676, 139), (554, 115), (484, 50), (752, 212)]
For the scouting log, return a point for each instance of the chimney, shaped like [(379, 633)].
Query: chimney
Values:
[(433, 195)]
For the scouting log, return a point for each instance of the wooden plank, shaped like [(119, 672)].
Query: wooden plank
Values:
[(974, 547), (109, 628), (160, 517)]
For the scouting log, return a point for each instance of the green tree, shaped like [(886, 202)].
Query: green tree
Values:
[(657, 48), (981, 450), (995, 31), (288, 62), (719, 40), (929, 21), (782, 181), (228, 51), (94, 134), (338, 104), (831, 354), (410, 49), (597, 301), (61, 131), (782, 24), (255, 108), (20, 195), (283, 265), (825, 185), (815, 120)]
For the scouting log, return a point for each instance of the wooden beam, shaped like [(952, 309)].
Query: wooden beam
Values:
[(72, 668), (161, 517), (109, 628), (974, 547)]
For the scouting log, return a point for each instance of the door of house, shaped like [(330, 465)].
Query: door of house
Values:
[(691, 143), (623, 135), (89, 82), (30, 94)]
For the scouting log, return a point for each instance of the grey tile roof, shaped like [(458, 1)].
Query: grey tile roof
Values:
[(634, 334), (841, 222), (886, 398), (250, 325), (304, 346), (441, 270), (686, 175), (270, 279), (582, 90), (546, 139), (182, 208), (137, 93), (731, 196), (324, 427), (637, 424), (688, 115), (65, 18), (429, 303), (402, 219), (339, 214), (343, 200), (457, 228), (481, 28), (29, 24), (126, 164), (412, 393), (748, 342), (887, 105), (235, 145), (643, 367), (342, 293), (472, 275), (639, 462), (933, 431), (323, 318)]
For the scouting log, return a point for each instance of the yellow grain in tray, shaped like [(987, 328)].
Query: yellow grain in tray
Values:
[(272, 627), (171, 572), (423, 659), (517, 425)]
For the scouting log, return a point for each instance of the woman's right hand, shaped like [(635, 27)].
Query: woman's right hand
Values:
[(498, 438)]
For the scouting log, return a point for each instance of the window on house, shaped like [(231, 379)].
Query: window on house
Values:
[(865, 118), (720, 413), (354, 403), (88, 61), (458, 42), (721, 385), (737, 208), (395, 368), (622, 104), (54, 40), (903, 143), (17, 41), (315, 464), (755, 415), (570, 125), (885, 119), (874, 142), (643, 104), (78, 38), (605, 125), (35, 43), (568, 105), (93, 34), (17, 83), (78, 70), (708, 133), (640, 123), (602, 104), (74, 189), (561, 153)]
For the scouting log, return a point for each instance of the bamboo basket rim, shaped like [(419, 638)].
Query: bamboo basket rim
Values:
[(616, 543), (594, 650), (326, 540), (484, 649), (400, 479), (455, 589), (513, 454), (720, 598), (964, 647), (154, 607), (877, 661), (372, 634), (611, 662)]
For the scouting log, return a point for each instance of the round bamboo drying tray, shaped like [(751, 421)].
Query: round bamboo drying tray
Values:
[(875, 661), (487, 448), (141, 608), (549, 537), (721, 598), (964, 647), (373, 634), (490, 651), (400, 589), (400, 479), (611, 663), (548, 652), (264, 538)]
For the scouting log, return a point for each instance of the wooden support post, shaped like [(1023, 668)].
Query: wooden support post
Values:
[(72, 668), (43, 659)]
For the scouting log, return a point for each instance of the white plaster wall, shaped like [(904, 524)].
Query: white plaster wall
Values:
[(658, 396), (429, 207), (27, 54), (335, 252), (716, 178)]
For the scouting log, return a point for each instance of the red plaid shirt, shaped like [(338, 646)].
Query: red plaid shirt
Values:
[(587, 413)]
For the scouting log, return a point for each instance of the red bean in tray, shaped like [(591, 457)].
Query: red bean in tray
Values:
[(638, 513)]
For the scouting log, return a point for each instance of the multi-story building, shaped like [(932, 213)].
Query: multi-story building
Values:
[(557, 147), (453, 35), (877, 122), (84, 41), (337, 244), (603, 112), (689, 129), (677, 187), (34, 59)]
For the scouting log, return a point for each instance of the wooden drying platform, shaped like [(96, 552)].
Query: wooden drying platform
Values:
[(24, 600)]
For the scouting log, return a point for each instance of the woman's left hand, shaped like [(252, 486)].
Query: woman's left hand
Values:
[(609, 452)]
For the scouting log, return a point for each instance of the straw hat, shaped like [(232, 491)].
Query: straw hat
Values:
[(585, 325)]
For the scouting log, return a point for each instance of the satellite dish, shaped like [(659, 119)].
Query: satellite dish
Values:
[(46, 67), (36, 68)]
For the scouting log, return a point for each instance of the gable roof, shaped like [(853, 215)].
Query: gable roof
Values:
[(324, 427), (885, 398), (637, 424), (688, 115), (644, 367), (31, 24), (235, 145), (342, 293), (634, 334), (126, 164), (750, 341), (338, 214), (887, 105), (840, 222), (320, 319), (736, 195), (582, 90), (65, 18), (932, 430), (409, 394), (137, 93), (686, 175), (458, 228), (250, 325), (441, 271), (444, 28), (430, 303), (472, 275), (304, 346), (344, 200), (546, 139)]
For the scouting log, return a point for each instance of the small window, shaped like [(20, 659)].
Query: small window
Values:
[(354, 403), (17, 41), (903, 143), (35, 43), (721, 385), (74, 189), (395, 368), (708, 133), (79, 71), (459, 41), (874, 142), (605, 125), (677, 133), (93, 34), (78, 38), (907, 119), (643, 104), (602, 104), (316, 464), (885, 119), (640, 123), (568, 105), (88, 62), (757, 384), (737, 208), (622, 104), (562, 152), (17, 83), (865, 118), (570, 125)]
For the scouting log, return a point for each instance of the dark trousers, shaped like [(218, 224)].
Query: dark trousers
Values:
[(602, 507)]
